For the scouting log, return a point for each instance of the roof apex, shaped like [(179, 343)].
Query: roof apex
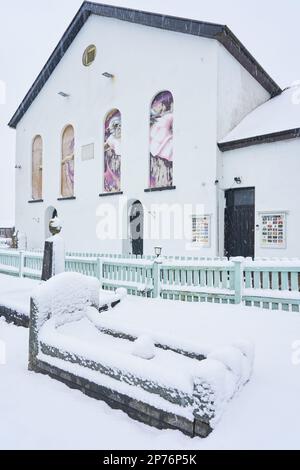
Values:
[(170, 23)]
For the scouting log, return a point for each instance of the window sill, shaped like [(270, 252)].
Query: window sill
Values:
[(110, 194), (152, 190), (35, 201), (72, 198)]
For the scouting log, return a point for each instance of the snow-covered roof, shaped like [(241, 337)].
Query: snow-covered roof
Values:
[(277, 115)]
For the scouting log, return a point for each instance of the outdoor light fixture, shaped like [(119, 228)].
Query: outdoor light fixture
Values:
[(158, 250), (108, 75), (238, 180), (63, 94)]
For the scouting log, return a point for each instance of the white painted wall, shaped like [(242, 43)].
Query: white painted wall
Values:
[(144, 61), (273, 169), (238, 92)]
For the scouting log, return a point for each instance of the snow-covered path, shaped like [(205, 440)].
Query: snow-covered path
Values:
[(39, 413)]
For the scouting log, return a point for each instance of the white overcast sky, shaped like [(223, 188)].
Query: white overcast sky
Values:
[(30, 29)]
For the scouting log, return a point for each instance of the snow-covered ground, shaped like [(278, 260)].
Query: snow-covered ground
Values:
[(15, 293), (37, 412)]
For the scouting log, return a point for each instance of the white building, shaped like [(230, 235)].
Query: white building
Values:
[(148, 110)]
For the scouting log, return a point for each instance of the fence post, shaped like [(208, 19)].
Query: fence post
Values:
[(21, 263), (99, 271), (156, 278), (238, 280)]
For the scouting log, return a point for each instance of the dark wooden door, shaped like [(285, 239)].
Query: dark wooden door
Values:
[(137, 228), (240, 222)]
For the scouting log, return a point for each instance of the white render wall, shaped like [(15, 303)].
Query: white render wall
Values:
[(238, 92), (273, 169), (144, 61)]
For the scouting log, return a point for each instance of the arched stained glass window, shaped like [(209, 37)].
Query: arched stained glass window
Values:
[(112, 152), (161, 140), (67, 162), (37, 168)]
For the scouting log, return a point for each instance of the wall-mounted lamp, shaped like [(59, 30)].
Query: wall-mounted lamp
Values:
[(18, 167), (108, 75), (63, 94), (238, 180), (158, 250)]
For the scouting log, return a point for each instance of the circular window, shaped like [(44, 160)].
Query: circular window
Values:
[(89, 55)]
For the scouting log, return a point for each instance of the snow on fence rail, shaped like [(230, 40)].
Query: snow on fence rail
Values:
[(265, 283)]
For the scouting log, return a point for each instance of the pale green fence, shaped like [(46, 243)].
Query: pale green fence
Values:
[(272, 285), (137, 276), (203, 281), (268, 284)]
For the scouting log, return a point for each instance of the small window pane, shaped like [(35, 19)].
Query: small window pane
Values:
[(244, 197)]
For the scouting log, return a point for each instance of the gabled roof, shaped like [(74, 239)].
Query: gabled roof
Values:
[(170, 23), (274, 120)]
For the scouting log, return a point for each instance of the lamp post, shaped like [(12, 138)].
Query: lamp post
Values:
[(156, 272)]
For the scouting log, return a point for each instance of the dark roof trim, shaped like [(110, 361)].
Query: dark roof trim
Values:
[(170, 23), (260, 139)]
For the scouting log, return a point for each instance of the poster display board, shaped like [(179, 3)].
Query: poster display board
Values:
[(273, 230), (201, 230)]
